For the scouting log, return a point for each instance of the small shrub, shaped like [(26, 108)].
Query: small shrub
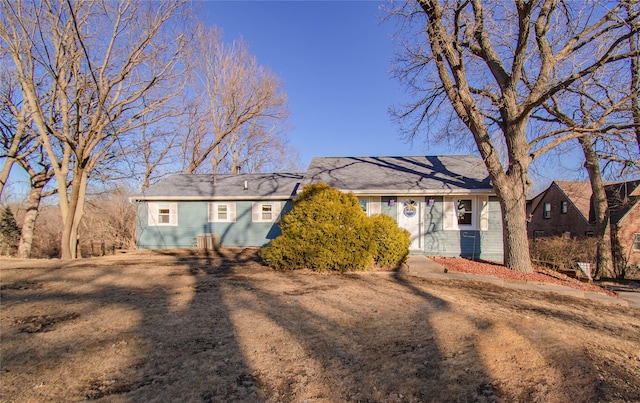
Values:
[(392, 242), (561, 253), (325, 230)]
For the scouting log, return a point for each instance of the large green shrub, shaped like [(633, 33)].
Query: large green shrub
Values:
[(327, 230), (392, 242)]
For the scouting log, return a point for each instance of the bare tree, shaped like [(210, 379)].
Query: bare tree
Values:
[(40, 174), (87, 69), (634, 43), (16, 136), (601, 111), (21, 146), (111, 220), (495, 64), (240, 108)]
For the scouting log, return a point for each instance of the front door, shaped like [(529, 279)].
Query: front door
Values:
[(410, 218)]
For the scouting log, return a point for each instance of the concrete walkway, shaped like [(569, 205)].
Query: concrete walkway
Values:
[(422, 266)]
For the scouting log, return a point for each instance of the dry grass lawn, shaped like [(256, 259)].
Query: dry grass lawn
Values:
[(183, 326)]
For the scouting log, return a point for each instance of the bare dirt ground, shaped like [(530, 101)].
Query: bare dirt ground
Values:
[(183, 326)]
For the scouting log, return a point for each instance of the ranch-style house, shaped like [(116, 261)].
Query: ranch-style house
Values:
[(447, 204)]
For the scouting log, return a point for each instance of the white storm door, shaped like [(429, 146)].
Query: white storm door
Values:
[(410, 218)]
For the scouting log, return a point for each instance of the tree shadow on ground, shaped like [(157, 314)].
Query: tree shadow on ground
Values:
[(218, 326), (165, 336)]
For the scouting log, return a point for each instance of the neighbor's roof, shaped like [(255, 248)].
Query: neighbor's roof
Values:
[(401, 175), (579, 192), (622, 196), (227, 187)]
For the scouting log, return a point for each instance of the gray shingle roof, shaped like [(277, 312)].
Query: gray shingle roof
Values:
[(401, 175), (362, 175), (229, 187)]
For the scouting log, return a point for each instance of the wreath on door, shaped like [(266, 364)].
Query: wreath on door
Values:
[(410, 208)]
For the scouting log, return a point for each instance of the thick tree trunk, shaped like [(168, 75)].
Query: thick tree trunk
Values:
[(604, 263), (512, 195), (69, 225), (29, 223)]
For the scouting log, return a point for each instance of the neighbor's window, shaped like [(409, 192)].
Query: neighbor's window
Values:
[(538, 234), (222, 212), (464, 212), (588, 234), (163, 214), (547, 210), (563, 207), (265, 212), (636, 242)]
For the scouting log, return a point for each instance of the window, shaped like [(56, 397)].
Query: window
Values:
[(163, 214), (371, 205), (538, 234), (464, 212), (468, 213), (636, 242), (588, 234), (547, 210), (265, 212), (222, 212), (564, 207), (363, 204)]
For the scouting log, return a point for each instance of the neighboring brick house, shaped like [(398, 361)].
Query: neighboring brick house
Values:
[(624, 206), (565, 209)]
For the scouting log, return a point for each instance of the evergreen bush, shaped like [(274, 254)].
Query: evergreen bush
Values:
[(325, 230), (392, 242)]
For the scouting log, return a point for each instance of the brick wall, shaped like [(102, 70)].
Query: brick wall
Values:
[(558, 223), (630, 225)]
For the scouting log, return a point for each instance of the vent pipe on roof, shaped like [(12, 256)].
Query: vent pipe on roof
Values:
[(246, 185)]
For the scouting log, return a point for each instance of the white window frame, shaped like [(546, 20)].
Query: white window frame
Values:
[(546, 210), (479, 213), (214, 212), (373, 205), (154, 214), (257, 211), (636, 242)]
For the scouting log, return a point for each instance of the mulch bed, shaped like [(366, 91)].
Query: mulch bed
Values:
[(539, 276)]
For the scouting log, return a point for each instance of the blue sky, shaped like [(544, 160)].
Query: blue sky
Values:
[(334, 58)]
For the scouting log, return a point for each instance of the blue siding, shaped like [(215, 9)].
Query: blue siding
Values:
[(492, 243), (193, 220), (389, 209), (471, 244)]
